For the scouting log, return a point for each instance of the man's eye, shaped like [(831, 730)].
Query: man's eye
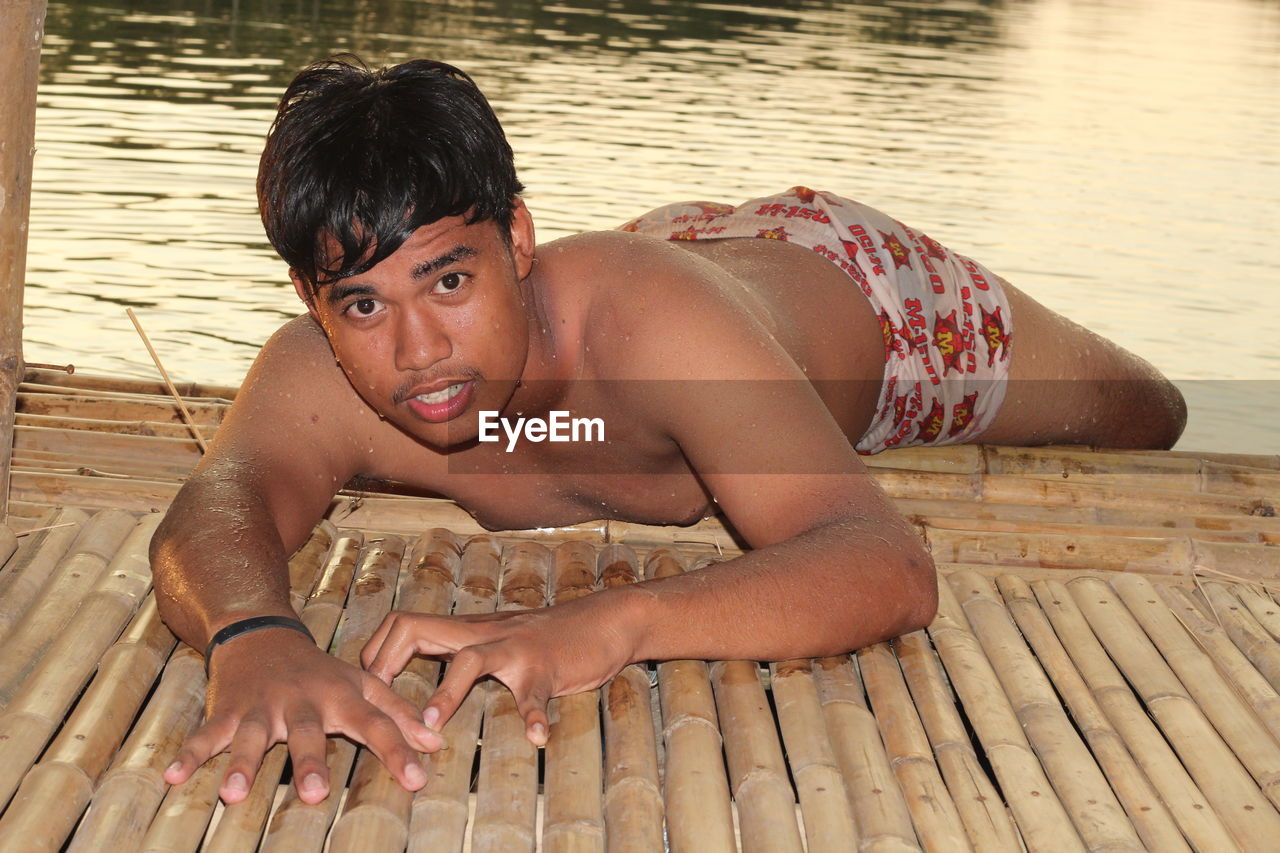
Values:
[(449, 282), (363, 307)]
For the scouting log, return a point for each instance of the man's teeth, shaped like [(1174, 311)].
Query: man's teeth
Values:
[(440, 396)]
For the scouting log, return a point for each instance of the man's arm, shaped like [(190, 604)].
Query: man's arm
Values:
[(221, 553)]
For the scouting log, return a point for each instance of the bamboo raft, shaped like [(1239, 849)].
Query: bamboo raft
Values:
[(1103, 672)]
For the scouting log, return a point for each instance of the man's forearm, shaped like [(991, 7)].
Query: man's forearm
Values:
[(218, 557), (830, 590)]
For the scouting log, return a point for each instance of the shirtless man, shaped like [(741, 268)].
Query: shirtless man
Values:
[(729, 371)]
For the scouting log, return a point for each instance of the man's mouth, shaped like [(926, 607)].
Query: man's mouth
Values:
[(445, 404)]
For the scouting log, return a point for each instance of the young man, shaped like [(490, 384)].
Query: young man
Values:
[(722, 368)]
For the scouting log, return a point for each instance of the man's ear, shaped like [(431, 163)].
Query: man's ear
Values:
[(307, 297), (522, 238)]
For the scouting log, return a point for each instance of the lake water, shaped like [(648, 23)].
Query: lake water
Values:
[(1117, 159)]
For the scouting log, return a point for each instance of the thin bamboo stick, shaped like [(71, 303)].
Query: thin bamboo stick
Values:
[(28, 571), (132, 788), (695, 786), (933, 811), (1245, 631), (21, 31), (74, 576), (1249, 684), (1040, 815), (242, 824), (506, 791), (168, 383), (1079, 782), (1152, 820), (1217, 697), (835, 734), (55, 792), (573, 816), (375, 815), (633, 812), (1225, 783), (439, 816)]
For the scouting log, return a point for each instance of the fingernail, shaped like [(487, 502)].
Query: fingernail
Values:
[(539, 733), (415, 774), (237, 782), (431, 716), (312, 782), (174, 767)]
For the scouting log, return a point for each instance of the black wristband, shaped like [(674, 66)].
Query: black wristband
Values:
[(248, 626)]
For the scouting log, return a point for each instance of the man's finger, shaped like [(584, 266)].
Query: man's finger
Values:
[(404, 715), (533, 707), (207, 741), (383, 737), (247, 748), (394, 652), (307, 751), (462, 673), (370, 650)]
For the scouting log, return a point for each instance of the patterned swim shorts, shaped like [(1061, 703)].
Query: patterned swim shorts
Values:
[(945, 318)]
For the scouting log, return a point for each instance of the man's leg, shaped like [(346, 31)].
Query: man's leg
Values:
[(1068, 385)]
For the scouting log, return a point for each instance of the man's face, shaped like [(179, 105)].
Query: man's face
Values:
[(437, 331)]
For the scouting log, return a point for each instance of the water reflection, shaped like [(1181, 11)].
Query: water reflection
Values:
[(1070, 146)]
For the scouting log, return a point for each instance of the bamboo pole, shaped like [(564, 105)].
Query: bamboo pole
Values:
[(375, 815), (8, 544), (933, 811), (21, 31), (438, 820), (1041, 816), (29, 570), (695, 788), (73, 578), (835, 752), (506, 791), (1225, 783), (55, 792), (1075, 775), (1262, 606), (242, 824), (1152, 820), (1219, 699), (633, 812), (573, 815), (1244, 630)]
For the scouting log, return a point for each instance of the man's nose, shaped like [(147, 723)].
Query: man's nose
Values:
[(420, 341)]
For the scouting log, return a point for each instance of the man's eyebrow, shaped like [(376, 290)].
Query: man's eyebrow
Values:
[(457, 253), (339, 291)]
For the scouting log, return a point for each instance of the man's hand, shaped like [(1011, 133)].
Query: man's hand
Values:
[(538, 654), (275, 686)]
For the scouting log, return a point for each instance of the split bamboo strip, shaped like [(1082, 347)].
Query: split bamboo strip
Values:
[(1225, 783), (1081, 785), (92, 382), (74, 576), (573, 818), (131, 791), (1006, 488), (79, 442), (947, 459), (87, 429), (1084, 465), (633, 813), (1254, 460), (168, 383), (1093, 529), (1201, 825), (1249, 684), (26, 573), (506, 791), (837, 758), (184, 814), (1224, 479), (8, 543), (980, 806), (757, 770), (1040, 815), (241, 823), (1217, 697), (375, 815), (438, 820), (694, 787), (157, 409), (1245, 631), (56, 791), (89, 466), (133, 494), (917, 509), (933, 811), (1152, 820), (1262, 606)]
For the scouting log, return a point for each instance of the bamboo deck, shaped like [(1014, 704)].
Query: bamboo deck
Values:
[(1102, 673)]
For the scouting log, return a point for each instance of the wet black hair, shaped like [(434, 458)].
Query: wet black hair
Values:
[(367, 157)]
